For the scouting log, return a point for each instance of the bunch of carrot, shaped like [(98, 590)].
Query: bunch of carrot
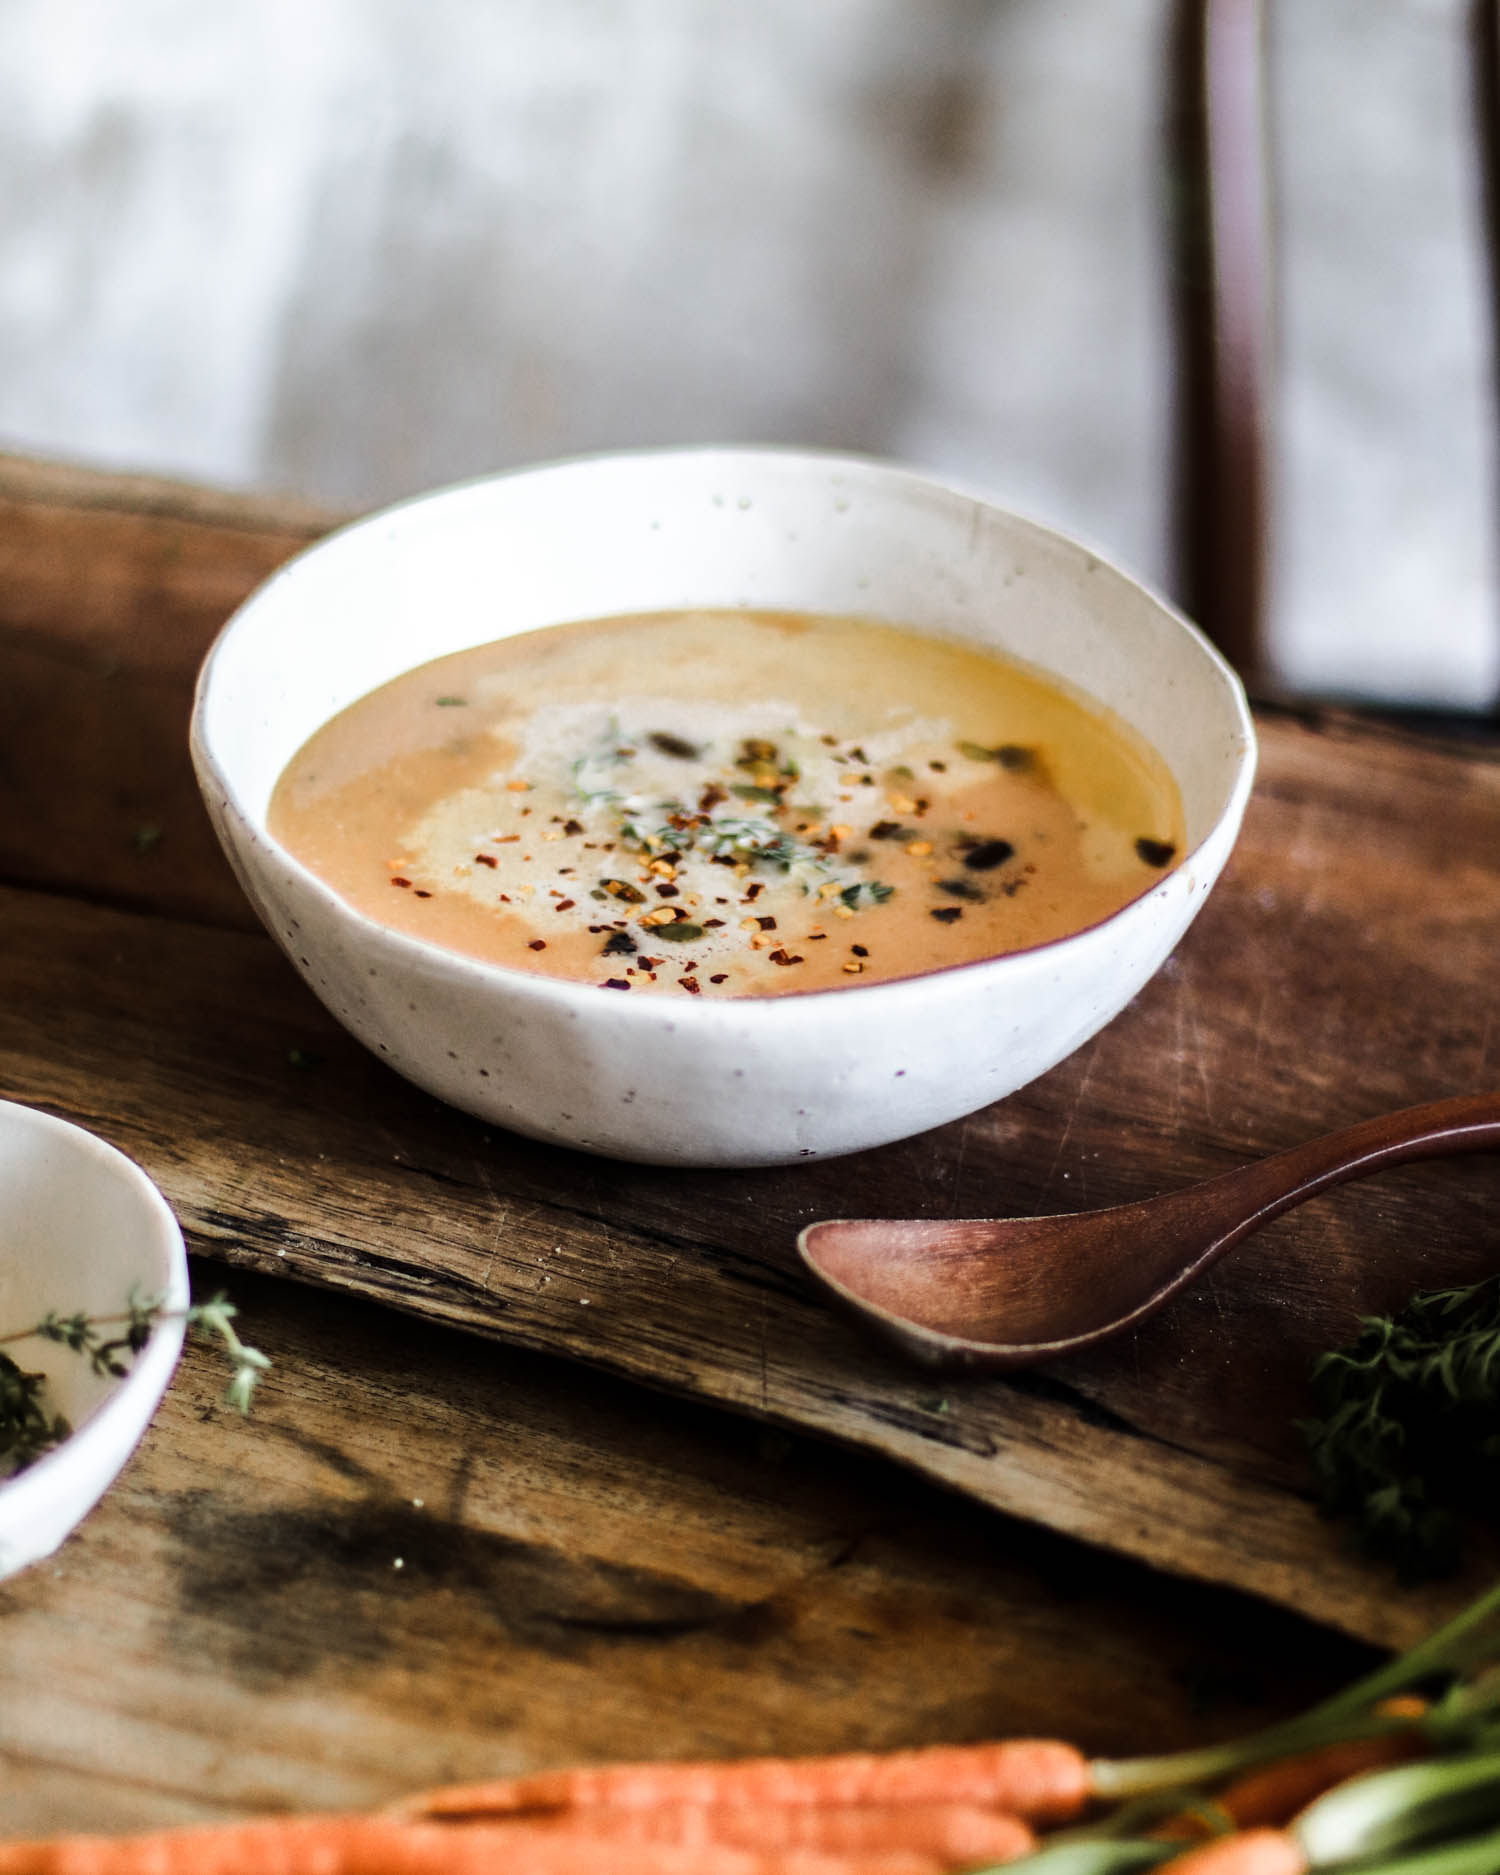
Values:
[(1397, 1775)]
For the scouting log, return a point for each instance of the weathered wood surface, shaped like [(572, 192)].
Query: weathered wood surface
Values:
[(587, 1572), (1345, 965)]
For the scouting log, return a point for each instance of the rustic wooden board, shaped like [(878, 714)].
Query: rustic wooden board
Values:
[(1344, 966), (229, 1631)]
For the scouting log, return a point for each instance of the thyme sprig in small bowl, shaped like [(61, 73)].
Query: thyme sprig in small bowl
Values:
[(81, 1228)]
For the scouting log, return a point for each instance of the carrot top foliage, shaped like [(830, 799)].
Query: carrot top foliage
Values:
[(1407, 1441)]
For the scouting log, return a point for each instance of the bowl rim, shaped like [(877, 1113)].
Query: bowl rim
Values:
[(566, 990), (152, 1368)]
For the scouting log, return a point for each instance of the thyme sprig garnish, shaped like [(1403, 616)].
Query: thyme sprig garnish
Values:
[(28, 1425), (1407, 1437)]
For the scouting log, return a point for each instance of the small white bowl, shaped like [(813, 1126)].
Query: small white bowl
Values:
[(742, 1081), (80, 1227)]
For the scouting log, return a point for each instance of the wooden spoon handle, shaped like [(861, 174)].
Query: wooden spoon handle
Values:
[(1268, 1187)]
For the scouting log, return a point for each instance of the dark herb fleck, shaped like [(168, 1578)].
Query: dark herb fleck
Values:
[(859, 950), (1009, 755), (614, 983), (988, 854), (1155, 852), (452, 703), (947, 914), (573, 827), (666, 744), (622, 888), (961, 888), (751, 791), (887, 830), (678, 933), (147, 837)]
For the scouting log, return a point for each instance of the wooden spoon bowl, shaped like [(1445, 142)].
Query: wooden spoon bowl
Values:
[(995, 1293)]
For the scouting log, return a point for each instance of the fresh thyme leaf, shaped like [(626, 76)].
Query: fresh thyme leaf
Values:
[(1407, 1438), (29, 1428)]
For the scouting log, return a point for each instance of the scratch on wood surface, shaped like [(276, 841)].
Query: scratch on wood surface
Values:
[(1074, 1108), (1192, 1051), (956, 1200)]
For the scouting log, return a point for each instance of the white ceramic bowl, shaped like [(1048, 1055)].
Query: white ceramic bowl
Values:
[(80, 1226), (708, 1082)]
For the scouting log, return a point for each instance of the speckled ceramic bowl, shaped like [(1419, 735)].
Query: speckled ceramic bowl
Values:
[(83, 1226), (708, 1082)]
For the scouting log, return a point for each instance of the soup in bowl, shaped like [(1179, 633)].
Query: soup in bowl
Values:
[(874, 800)]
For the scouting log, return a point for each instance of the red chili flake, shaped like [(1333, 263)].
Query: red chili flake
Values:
[(614, 983), (753, 892), (692, 988), (712, 924), (537, 944), (711, 796), (400, 881), (722, 977), (782, 956), (565, 904), (507, 839), (419, 893), (572, 826), (485, 859), (766, 924), (505, 898), (596, 929), (650, 963), (667, 891)]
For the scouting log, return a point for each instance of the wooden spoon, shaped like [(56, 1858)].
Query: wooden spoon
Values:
[(991, 1293)]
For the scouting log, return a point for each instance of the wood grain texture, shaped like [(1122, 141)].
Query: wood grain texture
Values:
[(588, 1572), (1344, 965)]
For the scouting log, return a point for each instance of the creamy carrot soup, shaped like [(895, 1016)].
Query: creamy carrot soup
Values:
[(729, 804)]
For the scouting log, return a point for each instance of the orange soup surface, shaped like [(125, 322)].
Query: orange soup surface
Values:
[(726, 803)]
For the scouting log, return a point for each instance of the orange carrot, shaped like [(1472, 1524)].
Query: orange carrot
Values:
[(960, 1834), (1250, 1852), (1039, 1780), (351, 1845), (1272, 1796)]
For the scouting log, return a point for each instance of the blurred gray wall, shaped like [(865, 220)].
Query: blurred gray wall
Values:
[(358, 247)]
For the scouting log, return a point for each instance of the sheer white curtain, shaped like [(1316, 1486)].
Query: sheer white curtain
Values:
[(359, 247)]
